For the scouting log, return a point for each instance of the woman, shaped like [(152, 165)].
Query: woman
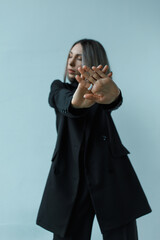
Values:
[(90, 173)]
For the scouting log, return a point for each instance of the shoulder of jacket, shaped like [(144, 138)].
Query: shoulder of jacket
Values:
[(56, 82), (59, 83)]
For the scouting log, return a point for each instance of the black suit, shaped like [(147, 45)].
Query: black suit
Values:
[(117, 194)]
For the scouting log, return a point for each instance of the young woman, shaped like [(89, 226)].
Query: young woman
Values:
[(90, 172)]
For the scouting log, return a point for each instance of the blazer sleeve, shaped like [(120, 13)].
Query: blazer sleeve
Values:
[(115, 104), (60, 99)]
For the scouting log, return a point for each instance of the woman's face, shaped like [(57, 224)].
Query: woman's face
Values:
[(74, 61)]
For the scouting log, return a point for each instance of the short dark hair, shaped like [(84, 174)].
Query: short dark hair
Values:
[(93, 54)]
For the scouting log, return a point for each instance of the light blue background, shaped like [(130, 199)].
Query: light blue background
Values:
[(35, 37)]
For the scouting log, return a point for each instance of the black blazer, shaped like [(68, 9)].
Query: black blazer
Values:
[(116, 191)]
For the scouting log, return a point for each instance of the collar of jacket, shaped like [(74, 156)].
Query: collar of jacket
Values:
[(74, 83)]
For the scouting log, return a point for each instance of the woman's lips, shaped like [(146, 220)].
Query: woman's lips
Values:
[(71, 71)]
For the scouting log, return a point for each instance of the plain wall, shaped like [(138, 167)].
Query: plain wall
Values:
[(35, 37)]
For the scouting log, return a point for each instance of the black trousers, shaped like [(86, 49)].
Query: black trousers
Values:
[(81, 221)]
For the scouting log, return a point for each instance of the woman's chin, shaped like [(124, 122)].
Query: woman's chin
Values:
[(71, 77)]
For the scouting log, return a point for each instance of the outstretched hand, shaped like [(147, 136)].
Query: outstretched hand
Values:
[(103, 91)]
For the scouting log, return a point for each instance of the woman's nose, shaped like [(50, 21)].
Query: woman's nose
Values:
[(72, 62)]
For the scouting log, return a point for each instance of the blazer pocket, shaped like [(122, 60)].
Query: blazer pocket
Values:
[(118, 150), (54, 155)]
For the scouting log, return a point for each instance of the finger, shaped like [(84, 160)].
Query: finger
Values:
[(99, 72), (110, 74), (86, 75), (96, 75), (91, 72), (81, 70), (91, 80), (100, 66), (82, 77), (105, 69), (83, 73), (84, 83), (78, 78), (87, 69)]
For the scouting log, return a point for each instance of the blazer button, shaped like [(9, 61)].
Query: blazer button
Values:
[(104, 138)]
